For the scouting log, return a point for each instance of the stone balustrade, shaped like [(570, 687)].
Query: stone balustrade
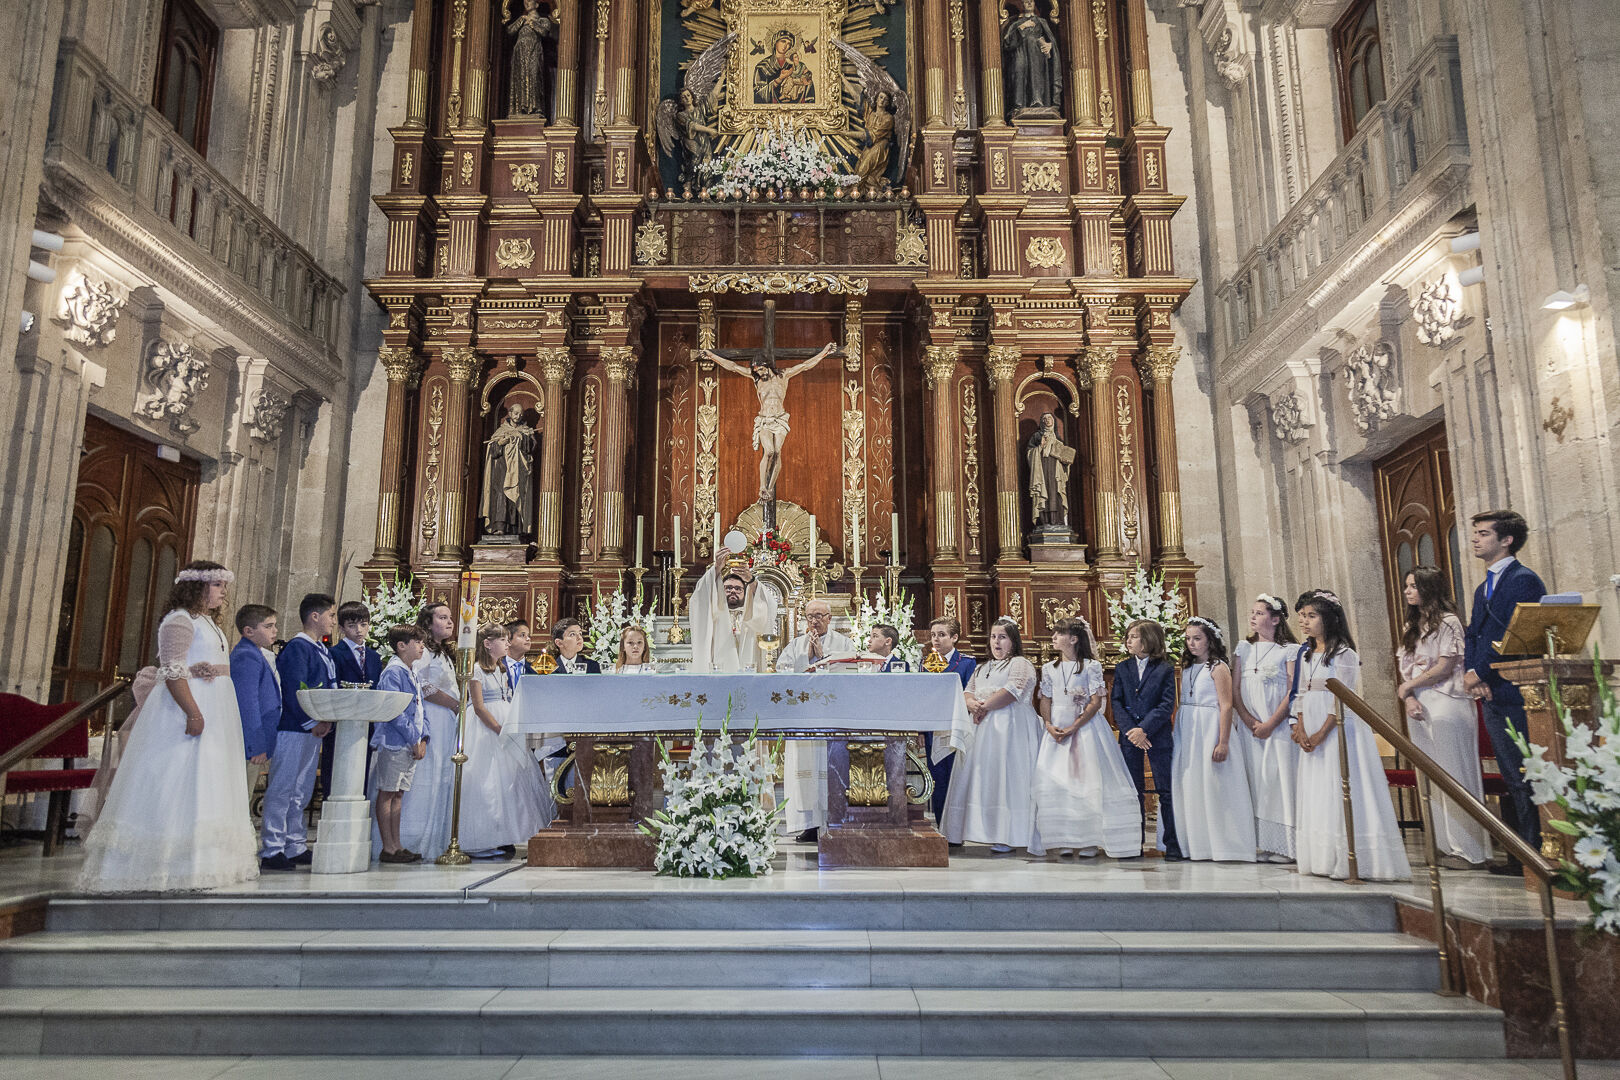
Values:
[(1407, 146)]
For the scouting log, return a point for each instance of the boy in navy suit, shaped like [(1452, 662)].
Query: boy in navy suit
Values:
[(357, 662), (1497, 537), (1144, 700), (303, 664), (943, 634), (517, 652), (258, 691), (568, 640)]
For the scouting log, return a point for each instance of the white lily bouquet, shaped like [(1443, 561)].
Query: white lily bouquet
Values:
[(392, 604), (714, 823), (606, 621), (898, 612), (1146, 597), (781, 156), (1588, 792)]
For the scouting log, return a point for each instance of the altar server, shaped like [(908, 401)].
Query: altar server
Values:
[(943, 635), (804, 761), (400, 743), (176, 814), (1144, 699), (1319, 721), (992, 793), (503, 800), (1260, 671), (1084, 799), (303, 664), (424, 820), (1211, 783)]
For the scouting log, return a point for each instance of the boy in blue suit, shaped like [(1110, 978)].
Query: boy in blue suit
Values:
[(1497, 537), (517, 652), (258, 692), (943, 634), (357, 662), (1144, 699), (303, 664)]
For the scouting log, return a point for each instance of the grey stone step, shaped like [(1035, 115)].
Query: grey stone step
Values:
[(724, 959), (733, 1022), (668, 908)]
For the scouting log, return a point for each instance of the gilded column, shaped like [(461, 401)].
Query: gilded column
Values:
[(1141, 78), (619, 366), (935, 50), (567, 100), (991, 106), (416, 100), (1000, 365), (1098, 361), (1157, 364), (478, 64), (1082, 65), (557, 365), (939, 370), (461, 364), (404, 370)]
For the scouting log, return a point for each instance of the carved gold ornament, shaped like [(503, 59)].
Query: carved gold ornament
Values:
[(998, 168), (939, 168), (868, 775), (515, 253), (1093, 169), (497, 609), (466, 167), (652, 244), (1045, 252), (1041, 176), (407, 167), (610, 774), (526, 178), (778, 282), (1150, 165), (559, 166), (1055, 611), (911, 246)]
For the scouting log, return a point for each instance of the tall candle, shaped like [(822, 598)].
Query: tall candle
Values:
[(467, 632), (812, 539), (639, 523), (894, 539), (717, 532), (855, 532), (677, 528)]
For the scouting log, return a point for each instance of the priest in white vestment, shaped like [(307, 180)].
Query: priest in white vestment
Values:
[(729, 611), (804, 763)]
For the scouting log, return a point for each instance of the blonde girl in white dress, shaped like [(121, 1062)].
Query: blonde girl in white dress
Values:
[(1319, 720), (1260, 673), (176, 813), (991, 799), (635, 655), (503, 798), (424, 821), (1084, 799), (1440, 714), (1214, 811)]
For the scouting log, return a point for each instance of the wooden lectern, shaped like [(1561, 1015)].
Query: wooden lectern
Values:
[(1548, 636)]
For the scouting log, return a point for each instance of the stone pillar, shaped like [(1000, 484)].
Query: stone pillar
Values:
[(935, 49), (1157, 364), (1082, 66), (939, 369), (566, 103), (992, 107), (404, 370), (619, 367), (1000, 365), (416, 101), (461, 364), (1141, 88), (478, 19), (623, 50), (1098, 362), (557, 364)]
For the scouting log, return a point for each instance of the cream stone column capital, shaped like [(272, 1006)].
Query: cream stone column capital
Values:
[(402, 364), (619, 363), (557, 365), (1098, 361), (939, 364)]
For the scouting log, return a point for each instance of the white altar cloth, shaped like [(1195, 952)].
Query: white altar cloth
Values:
[(629, 704)]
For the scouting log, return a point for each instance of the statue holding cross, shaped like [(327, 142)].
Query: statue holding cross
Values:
[(770, 383)]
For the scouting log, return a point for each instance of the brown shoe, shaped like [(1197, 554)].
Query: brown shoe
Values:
[(401, 856)]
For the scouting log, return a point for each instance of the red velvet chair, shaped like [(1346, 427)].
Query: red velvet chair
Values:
[(20, 718)]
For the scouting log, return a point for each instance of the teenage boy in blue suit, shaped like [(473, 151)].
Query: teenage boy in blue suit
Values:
[(518, 640), (942, 635), (357, 662), (1497, 537), (1144, 699), (258, 692), (304, 663)]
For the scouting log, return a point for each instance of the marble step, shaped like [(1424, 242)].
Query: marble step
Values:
[(749, 907), (734, 1022), (729, 959)]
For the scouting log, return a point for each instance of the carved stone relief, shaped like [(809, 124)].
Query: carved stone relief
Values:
[(90, 309), (1288, 419), (1369, 374), (1438, 312), (174, 374), (267, 415)]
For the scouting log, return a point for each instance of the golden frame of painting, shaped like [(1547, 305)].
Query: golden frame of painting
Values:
[(784, 64)]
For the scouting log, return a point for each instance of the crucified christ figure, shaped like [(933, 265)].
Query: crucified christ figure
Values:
[(771, 422)]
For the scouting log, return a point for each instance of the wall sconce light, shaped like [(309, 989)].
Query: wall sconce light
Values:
[(1471, 276), (1563, 301), (1468, 241)]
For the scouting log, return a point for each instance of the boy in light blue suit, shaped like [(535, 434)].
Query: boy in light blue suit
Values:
[(258, 689), (400, 743)]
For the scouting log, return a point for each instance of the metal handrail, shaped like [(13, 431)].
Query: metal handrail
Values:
[(58, 727), (1544, 870)]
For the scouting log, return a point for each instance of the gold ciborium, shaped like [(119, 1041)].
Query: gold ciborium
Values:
[(933, 662), (769, 644)]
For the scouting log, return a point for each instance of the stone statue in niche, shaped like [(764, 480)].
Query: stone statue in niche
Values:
[(1032, 64), (1050, 460), (528, 79), (506, 505)]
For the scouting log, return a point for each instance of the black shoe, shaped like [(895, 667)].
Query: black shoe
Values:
[(303, 858), (1511, 868), (277, 861), (1174, 856), (508, 850), (809, 836)]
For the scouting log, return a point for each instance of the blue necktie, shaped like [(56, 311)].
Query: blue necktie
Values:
[(1490, 583)]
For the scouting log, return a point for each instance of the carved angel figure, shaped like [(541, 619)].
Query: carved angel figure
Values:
[(685, 123), (886, 112)]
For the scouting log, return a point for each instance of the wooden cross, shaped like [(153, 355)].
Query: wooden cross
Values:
[(768, 351)]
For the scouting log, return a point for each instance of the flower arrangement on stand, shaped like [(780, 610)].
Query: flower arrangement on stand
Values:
[(1148, 597), (392, 604), (768, 548), (605, 621), (898, 612), (782, 157), (714, 823), (1588, 792)]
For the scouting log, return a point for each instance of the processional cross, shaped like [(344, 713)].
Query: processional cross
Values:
[(770, 383)]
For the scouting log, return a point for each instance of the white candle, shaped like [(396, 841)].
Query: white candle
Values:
[(855, 533), (812, 539), (639, 523), (717, 532), (894, 539), (677, 529)]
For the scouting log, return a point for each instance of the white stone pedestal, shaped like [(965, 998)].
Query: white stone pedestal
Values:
[(343, 842)]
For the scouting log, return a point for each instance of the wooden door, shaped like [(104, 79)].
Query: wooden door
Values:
[(1417, 517), (133, 514)]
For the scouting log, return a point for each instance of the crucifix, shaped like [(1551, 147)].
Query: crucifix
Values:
[(770, 383)]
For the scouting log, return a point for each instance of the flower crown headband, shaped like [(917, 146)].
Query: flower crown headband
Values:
[(1273, 602), (1207, 624), (211, 577), (1323, 594)]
